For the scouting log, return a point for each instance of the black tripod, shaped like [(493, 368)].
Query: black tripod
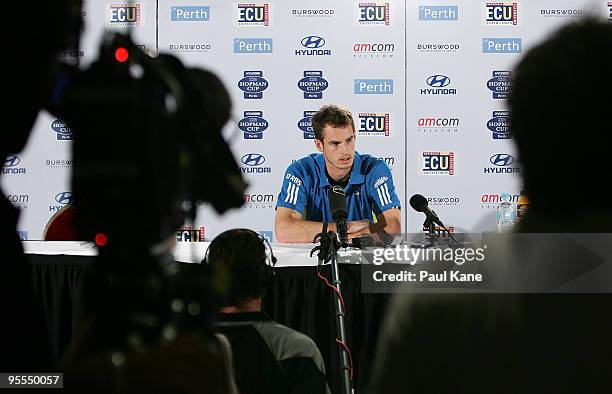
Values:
[(328, 252)]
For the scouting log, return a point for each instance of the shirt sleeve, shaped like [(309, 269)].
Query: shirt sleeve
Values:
[(293, 190), (381, 188)]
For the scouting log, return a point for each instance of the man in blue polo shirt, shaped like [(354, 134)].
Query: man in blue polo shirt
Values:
[(302, 204)]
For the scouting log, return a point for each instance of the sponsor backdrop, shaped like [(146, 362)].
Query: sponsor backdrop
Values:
[(426, 83)]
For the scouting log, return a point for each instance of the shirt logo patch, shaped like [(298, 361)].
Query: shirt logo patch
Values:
[(380, 181), (383, 194), (292, 193)]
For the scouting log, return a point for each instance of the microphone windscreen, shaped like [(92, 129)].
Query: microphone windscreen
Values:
[(417, 202), (337, 203)]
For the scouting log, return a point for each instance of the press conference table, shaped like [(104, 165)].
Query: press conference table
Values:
[(288, 255), (298, 298)]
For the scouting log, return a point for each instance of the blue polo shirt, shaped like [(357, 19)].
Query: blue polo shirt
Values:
[(370, 188)]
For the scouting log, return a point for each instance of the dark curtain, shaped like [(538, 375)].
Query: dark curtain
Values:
[(61, 283), (302, 301), (298, 299)]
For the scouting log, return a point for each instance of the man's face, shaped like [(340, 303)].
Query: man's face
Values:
[(338, 147)]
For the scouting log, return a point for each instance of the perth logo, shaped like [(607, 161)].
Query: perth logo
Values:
[(190, 13), (373, 86), (436, 13), (502, 45), (252, 45)]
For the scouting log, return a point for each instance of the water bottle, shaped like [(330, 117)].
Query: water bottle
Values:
[(522, 205), (506, 215)]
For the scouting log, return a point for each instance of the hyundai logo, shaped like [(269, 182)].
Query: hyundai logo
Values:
[(438, 81), (501, 159), (253, 159), (64, 198), (313, 42), (11, 161)]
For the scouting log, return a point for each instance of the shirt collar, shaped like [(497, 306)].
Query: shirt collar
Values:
[(356, 178)]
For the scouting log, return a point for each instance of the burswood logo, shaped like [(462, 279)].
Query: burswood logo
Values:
[(438, 47)]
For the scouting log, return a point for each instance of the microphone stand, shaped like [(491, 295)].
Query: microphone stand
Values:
[(434, 239), (431, 236), (328, 252)]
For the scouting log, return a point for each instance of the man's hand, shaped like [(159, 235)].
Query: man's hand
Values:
[(356, 228), (289, 227)]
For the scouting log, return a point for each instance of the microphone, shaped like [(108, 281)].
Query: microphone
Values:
[(419, 204), (337, 204)]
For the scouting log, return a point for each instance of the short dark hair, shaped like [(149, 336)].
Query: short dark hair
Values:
[(332, 115), (558, 106), (241, 253)]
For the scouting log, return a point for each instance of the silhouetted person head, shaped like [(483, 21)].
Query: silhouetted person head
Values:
[(559, 105), (241, 253)]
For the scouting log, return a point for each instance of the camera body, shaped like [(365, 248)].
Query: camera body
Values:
[(147, 140)]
